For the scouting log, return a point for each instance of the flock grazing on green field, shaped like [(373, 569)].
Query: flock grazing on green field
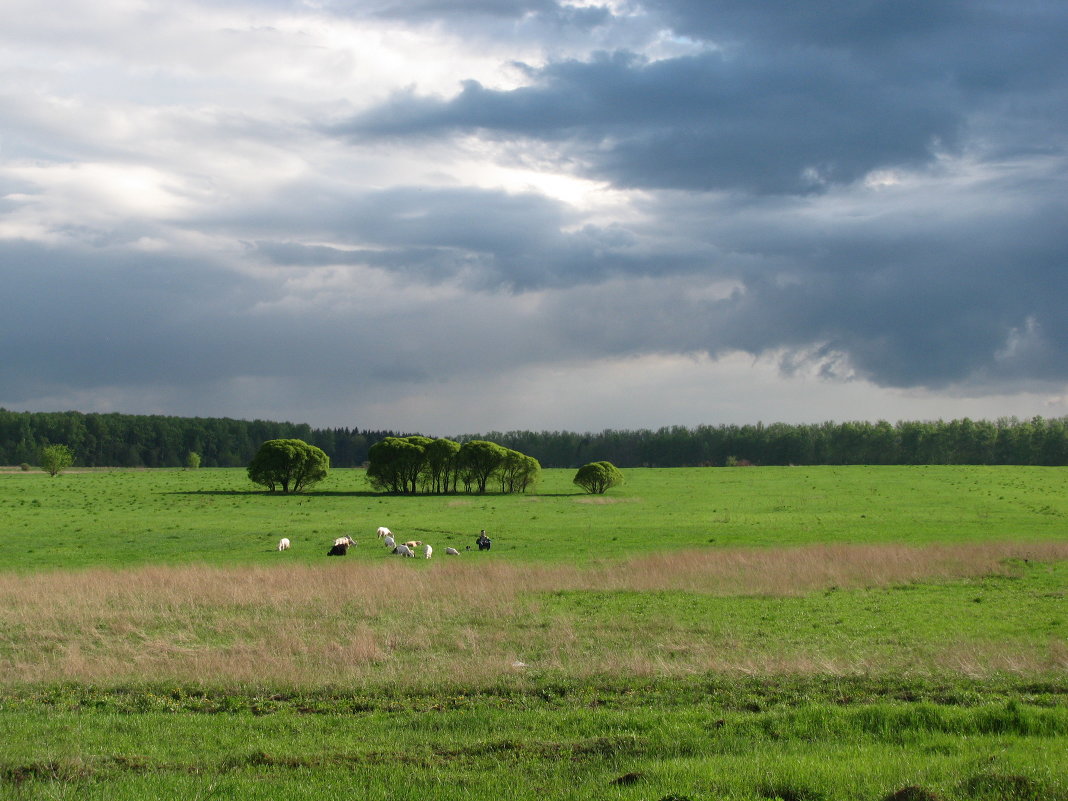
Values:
[(341, 545)]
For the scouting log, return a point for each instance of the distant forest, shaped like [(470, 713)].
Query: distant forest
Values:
[(122, 440)]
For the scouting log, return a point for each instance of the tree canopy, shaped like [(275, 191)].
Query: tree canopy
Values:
[(56, 458), (598, 477), (420, 464), (289, 465)]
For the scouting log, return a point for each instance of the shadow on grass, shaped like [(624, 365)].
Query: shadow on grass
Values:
[(370, 494), (262, 493)]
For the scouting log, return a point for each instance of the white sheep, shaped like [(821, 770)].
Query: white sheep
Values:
[(390, 543), (283, 544), (428, 551), (413, 544), (384, 532), (452, 552), (403, 550), (346, 540)]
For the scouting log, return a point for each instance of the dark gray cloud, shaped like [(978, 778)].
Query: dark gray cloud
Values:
[(486, 239), (781, 123), (799, 96)]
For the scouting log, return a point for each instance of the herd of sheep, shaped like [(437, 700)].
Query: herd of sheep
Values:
[(342, 544)]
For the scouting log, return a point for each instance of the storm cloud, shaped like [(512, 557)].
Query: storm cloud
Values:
[(267, 209)]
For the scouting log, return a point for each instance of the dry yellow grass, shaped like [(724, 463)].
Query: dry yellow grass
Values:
[(462, 619)]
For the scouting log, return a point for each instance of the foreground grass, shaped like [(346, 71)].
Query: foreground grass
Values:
[(698, 738)]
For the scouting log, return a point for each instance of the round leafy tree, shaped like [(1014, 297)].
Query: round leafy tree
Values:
[(288, 464), (56, 458), (597, 477)]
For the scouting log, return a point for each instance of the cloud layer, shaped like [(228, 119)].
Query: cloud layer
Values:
[(416, 215)]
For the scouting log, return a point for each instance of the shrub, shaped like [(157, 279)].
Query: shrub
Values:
[(56, 458), (598, 477)]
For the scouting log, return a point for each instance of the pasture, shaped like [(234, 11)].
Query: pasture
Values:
[(752, 633)]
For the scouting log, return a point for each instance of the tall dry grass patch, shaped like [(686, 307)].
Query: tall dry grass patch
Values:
[(462, 619), (804, 569)]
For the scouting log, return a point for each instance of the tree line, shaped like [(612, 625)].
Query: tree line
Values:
[(1037, 441), (120, 440), (127, 440)]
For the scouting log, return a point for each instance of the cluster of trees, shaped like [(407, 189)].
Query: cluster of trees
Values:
[(1038, 441), (118, 440), (420, 464), (127, 440)]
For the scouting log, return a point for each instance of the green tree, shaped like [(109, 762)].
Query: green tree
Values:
[(288, 464), (478, 460), (192, 460), (395, 463), (598, 477), (440, 465), (518, 472), (56, 458)]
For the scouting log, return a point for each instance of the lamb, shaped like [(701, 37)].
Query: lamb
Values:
[(384, 532), (413, 544), (428, 551), (390, 542), (339, 549), (346, 540), (403, 550), (283, 544), (452, 552)]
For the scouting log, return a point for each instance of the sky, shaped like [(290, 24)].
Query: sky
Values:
[(458, 216)]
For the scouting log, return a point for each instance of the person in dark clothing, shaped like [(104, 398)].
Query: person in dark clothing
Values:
[(483, 541)]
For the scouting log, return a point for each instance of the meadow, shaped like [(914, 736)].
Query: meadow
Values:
[(806, 634)]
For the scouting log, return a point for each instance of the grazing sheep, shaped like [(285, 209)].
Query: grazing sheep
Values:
[(403, 550), (338, 549), (413, 544), (384, 532), (283, 544), (451, 552), (346, 540), (390, 543), (428, 551)]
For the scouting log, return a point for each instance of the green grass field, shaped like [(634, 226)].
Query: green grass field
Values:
[(804, 634), (123, 518)]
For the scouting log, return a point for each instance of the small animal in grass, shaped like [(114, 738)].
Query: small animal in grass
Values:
[(283, 544)]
